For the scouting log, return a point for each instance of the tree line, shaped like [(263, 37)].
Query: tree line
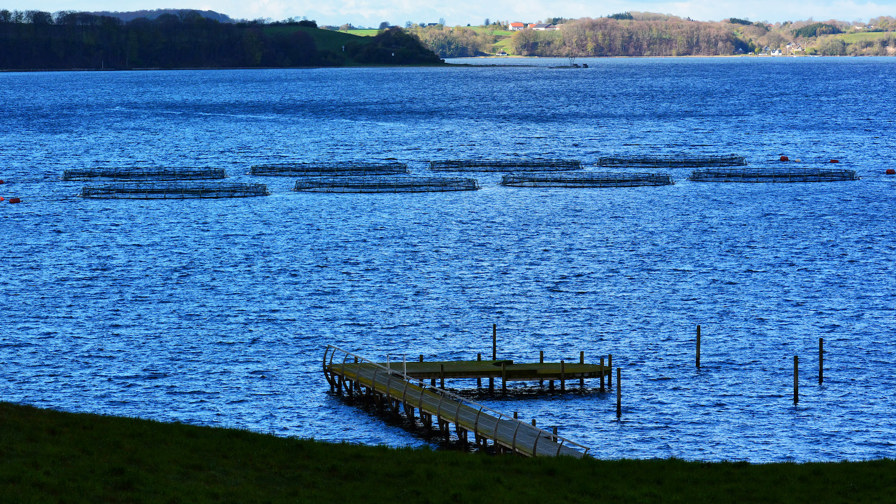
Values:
[(649, 34), (69, 40)]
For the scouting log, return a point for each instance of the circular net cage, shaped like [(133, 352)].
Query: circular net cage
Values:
[(394, 184), (586, 179), (780, 175), (329, 169), (145, 173), (492, 165), (174, 191), (672, 161)]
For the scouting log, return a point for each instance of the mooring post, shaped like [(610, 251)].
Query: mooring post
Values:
[(541, 361), (796, 379), (441, 375), (610, 374), (820, 361), (555, 434), (602, 374), (698, 346), (582, 361), (618, 392), (533, 422), (479, 380), (491, 380)]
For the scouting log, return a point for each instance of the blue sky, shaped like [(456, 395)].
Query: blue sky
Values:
[(462, 12)]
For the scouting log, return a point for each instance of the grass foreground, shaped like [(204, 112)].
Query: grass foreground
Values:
[(50, 456)]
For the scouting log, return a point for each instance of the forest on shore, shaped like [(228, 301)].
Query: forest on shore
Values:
[(649, 34), (35, 40)]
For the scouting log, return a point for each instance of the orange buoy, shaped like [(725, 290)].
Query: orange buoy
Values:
[(835, 161), (1, 198), (891, 171), (15, 200), (785, 158)]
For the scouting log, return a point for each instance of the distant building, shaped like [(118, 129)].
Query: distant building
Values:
[(516, 26)]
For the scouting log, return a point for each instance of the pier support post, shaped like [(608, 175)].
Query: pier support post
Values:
[(441, 376), (479, 380), (618, 392), (796, 379), (541, 361), (503, 377), (582, 361), (562, 376), (820, 361), (698, 346), (610, 374), (494, 341), (602, 389)]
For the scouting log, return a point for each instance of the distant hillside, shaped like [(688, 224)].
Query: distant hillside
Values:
[(189, 39), (155, 13), (650, 34)]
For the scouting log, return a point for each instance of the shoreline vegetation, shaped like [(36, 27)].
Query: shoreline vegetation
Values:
[(48, 456), (191, 39)]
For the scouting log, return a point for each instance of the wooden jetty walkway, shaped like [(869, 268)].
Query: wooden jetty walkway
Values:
[(393, 387)]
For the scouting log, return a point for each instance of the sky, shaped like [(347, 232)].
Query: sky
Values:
[(462, 12)]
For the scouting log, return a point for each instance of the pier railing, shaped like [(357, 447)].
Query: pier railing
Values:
[(355, 371)]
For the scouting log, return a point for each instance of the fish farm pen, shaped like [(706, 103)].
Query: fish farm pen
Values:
[(174, 191), (145, 173), (780, 175), (672, 161), (329, 169), (490, 165), (392, 184), (586, 179)]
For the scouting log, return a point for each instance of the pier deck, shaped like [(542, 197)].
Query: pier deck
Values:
[(506, 369), (389, 385)]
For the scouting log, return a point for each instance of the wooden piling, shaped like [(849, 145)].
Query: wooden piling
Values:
[(820, 361), (533, 422), (796, 379), (602, 375), (610, 374), (581, 361), (479, 380), (562, 376), (441, 375), (541, 361), (618, 392), (698, 346), (503, 377), (494, 341)]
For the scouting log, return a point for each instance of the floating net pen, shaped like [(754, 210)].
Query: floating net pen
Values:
[(772, 175), (394, 184), (491, 165), (174, 191), (145, 173), (672, 161), (586, 179), (340, 169)]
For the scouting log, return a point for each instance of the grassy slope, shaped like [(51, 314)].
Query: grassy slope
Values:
[(48, 456), (323, 39)]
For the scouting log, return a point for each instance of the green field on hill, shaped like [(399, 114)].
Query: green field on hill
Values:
[(50, 456)]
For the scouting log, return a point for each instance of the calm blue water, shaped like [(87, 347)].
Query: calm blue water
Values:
[(217, 312)]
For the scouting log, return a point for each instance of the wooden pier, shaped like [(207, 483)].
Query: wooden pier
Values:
[(393, 387)]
